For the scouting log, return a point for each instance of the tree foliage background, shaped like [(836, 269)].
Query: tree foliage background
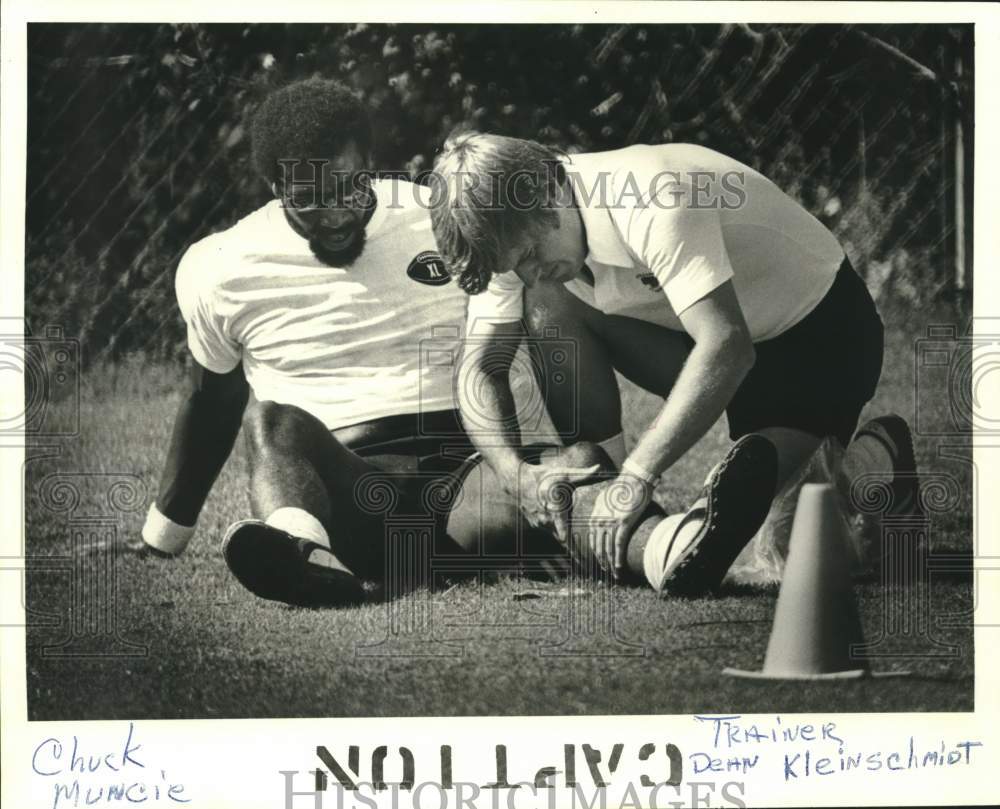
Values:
[(137, 134)]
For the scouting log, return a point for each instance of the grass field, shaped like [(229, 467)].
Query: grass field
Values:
[(181, 639)]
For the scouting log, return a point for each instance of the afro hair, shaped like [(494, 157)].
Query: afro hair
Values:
[(305, 120)]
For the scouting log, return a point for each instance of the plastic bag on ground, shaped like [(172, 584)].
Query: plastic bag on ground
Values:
[(763, 559)]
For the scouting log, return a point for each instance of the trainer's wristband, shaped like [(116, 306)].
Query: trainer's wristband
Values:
[(164, 534), (630, 467)]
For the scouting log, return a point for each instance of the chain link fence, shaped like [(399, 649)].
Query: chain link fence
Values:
[(138, 144)]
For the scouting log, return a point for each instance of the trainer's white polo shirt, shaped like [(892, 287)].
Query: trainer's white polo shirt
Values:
[(666, 225), (343, 343)]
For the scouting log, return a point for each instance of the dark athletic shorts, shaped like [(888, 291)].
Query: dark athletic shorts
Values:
[(416, 452), (818, 375)]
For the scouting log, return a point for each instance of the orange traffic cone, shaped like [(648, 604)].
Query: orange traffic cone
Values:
[(816, 620)]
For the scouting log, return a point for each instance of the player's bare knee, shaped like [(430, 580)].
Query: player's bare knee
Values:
[(269, 425), (255, 420)]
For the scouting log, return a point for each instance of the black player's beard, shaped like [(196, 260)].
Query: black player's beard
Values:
[(345, 256)]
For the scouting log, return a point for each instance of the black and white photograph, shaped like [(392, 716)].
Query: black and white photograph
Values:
[(600, 366)]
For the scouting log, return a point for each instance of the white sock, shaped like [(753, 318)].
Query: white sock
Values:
[(300, 523), (615, 447)]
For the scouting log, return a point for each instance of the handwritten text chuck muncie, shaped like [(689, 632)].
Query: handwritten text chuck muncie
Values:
[(98, 775)]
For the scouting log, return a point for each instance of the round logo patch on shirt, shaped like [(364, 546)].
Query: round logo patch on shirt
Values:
[(428, 268)]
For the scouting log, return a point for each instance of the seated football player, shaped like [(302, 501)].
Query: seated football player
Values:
[(693, 276), (318, 304)]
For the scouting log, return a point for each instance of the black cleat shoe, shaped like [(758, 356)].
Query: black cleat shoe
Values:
[(893, 433), (732, 507), (274, 565)]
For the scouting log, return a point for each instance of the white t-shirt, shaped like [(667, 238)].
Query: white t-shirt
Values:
[(668, 224), (345, 344)]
